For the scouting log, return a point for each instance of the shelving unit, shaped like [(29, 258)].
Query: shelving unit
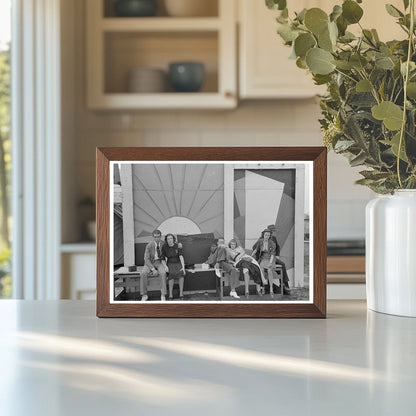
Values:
[(116, 45)]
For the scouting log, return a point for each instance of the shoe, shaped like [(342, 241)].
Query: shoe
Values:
[(234, 295), (163, 298), (144, 298)]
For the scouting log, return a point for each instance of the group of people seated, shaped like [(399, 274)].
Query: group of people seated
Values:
[(240, 266), (166, 260)]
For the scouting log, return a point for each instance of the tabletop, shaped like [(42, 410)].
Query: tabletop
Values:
[(57, 358)]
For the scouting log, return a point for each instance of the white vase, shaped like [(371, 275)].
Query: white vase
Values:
[(391, 253)]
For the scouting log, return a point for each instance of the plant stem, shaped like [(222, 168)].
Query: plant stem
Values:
[(406, 79)]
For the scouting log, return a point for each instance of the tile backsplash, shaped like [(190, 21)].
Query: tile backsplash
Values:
[(257, 123)]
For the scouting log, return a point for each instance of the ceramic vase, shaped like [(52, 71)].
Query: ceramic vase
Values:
[(391, 253)]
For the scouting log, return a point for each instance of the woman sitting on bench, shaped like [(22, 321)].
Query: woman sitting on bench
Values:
[(247, 266)]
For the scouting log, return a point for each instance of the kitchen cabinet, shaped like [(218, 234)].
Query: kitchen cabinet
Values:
[(265, 70), (118, 45), (78, 264)]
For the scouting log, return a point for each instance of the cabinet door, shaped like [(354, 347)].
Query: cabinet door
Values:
[(265, 68), (266, 71)]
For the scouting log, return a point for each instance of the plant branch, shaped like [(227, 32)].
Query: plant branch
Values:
[(406, 79)]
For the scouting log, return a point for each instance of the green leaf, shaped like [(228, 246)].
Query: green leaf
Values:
[(301, 63), (391, 114), (411, 90), (319, 61), (342, 25), (375, 35), (316, 20), (394, 143), (343, 145), (336, 12), (393, 11), (359, 160), (287, 33), (301, 15), (345, 65), (321, 79), (374, 174), (358, 61), (347, 37), (303, 43), (276, 4), (351, 11), (384, 62), (325, 42), (363, 86)]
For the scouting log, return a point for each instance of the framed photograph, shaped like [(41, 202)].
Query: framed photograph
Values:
[(211, 232)]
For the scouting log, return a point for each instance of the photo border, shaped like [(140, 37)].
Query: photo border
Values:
[(314, 309)]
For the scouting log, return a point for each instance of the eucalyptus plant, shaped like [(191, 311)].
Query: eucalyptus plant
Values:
[(369, 111)]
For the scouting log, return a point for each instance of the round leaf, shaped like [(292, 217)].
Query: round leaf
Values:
[(363, 86), (325, 42), (351, 11), (391, 114), (411, 90), (319, 61), (316, 20), (287, 33), (303, 43)]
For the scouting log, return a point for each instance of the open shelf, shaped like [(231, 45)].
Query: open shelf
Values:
[(210, 9), (160, 24), (119, 45), (126, 51)]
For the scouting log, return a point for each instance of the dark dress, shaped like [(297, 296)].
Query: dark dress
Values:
[(172, 260)]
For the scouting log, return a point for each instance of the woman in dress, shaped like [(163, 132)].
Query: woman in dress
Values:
[(174, 264), (265, 252), (247, 266)]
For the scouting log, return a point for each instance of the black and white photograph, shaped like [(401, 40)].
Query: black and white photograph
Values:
[(198, 232)]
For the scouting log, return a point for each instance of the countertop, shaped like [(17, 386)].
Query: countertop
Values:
[(57, 358)]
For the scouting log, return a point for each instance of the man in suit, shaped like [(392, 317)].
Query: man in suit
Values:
[(153, 266)]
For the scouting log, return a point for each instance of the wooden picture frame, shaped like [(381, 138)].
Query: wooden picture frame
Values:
[(239, 161)]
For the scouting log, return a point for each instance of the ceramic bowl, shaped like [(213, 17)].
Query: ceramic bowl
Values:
[(186, 76), (135, 8), (191, 8), (147, 80)]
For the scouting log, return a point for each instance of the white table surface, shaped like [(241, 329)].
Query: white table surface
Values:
[(57, 358)]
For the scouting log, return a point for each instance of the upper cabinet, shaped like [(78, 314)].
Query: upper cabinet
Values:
[(160, 61), (264, 66)]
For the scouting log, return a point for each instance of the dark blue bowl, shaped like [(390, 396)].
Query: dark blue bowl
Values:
[(186, 76), (135, 8)]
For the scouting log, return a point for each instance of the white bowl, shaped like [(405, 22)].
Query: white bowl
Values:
[(191, 8), (147, 80)]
